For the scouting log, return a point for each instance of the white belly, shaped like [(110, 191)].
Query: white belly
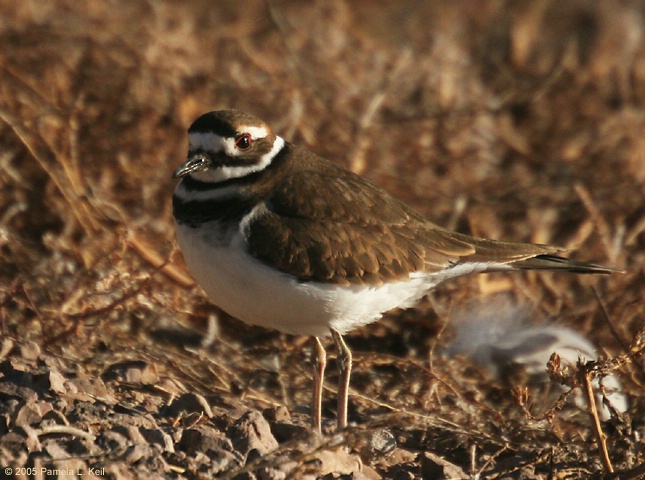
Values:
[(256, 294)]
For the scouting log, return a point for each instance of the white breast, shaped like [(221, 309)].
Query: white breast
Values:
[(259, 295)]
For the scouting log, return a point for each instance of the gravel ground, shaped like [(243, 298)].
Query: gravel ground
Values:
[(510, 120)]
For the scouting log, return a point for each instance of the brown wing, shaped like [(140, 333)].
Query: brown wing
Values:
[(342, 229), (329, 225)]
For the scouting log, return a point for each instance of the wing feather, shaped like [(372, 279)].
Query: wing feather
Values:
[(349, 231)]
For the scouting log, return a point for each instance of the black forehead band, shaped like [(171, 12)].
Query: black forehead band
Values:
[(210, 123)]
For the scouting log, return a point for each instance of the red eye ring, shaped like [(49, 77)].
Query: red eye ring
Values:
[(243, 142)]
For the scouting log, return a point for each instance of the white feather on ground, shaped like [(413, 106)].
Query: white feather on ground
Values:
[(499, 337)]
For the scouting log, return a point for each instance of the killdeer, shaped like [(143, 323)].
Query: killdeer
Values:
[(280, 237)]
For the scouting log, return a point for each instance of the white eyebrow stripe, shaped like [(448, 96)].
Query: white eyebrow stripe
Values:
[(215, 143), (255, 132)]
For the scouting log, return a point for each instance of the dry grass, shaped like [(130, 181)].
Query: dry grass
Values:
[(521, 121)]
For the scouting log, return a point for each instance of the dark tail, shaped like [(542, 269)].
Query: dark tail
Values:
[(553, 262)]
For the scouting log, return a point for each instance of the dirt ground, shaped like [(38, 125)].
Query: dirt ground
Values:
[(511, 120)]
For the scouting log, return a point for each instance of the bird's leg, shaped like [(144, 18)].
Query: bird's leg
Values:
[(320, 362), (344, 371)]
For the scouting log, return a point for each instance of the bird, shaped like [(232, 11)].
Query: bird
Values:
[(280, 237)]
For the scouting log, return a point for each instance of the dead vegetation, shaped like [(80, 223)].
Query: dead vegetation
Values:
[(521, 121)]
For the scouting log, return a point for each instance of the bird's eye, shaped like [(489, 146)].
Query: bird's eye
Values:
[(243, 142)]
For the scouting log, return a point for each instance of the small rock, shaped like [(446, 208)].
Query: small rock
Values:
[(190, 403), (6, 347), (253, 455), (200, 465), (250, 432), (433, 466), (277, 414), (400, 456), (377, 445), (90, 389), (27, 414), (30, 350), (158, 437), (338, 462), (136, 453), (15, 436), (283, 432), (370, 473), (199, 459), (132, 371), (133, 419), (51, 380), (112, 441), (223, 460), (87, 412), (55, 416), (130, 432), (53, 448), (16, 383), (64, 462), (267, 473), (202, 439), (153, 463), (78, 447), (228, 414)]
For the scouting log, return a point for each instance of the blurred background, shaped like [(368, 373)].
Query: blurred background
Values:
[(512, 120)]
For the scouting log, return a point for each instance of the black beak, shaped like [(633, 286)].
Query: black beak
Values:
[(195, 163)]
